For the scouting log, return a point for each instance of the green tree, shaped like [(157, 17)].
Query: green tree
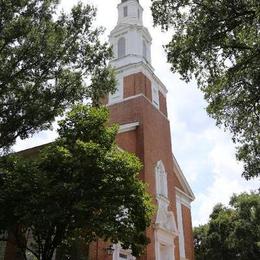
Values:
[(218, 43), (80, 187), (232, 232), (45, 58), (200, 246)]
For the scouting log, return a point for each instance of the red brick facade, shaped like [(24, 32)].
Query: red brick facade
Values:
[(151, 142), (186, 216)]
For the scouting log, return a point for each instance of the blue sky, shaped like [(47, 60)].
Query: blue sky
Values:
[(205, 153)]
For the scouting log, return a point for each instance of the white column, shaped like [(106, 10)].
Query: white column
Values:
[(180, 227)]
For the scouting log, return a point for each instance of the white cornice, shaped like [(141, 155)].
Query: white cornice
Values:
[(123, 28), (182, 193), (129, 60), (128, 127), (184, 198), (137, 96), (143, 67)]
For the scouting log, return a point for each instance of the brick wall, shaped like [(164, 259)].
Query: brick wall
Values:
[(163, 105), (151, 142), (97, 251), (187, 229), (137, 83)]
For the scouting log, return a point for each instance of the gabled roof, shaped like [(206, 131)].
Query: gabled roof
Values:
[(32, 152), (183, 181)]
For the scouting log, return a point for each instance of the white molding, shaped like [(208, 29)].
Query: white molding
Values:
[(118, 249), (137, 96), (124, 28), (130, 59), (128, 127), (143, 67), (180, 226), (161, 181), (184, 195), (166, 239), (123, 100), (165, 228)]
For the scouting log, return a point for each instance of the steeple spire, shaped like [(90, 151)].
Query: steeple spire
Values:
[(122, 1), (130, 12), (131, 41)]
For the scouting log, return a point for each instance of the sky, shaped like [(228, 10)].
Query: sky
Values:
[(204, 152)]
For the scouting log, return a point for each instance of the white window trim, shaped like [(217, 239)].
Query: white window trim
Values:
[(128, 127), (184, 198), (180, 226), (145, 49), (124, 41), (155, 96), (165, 239), (125, 11), (161, 180)]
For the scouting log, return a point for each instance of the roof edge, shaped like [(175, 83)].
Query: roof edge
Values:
[(181, 177)]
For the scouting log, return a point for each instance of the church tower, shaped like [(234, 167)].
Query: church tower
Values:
[(139, 106)]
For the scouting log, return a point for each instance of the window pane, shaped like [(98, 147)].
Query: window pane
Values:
[(125, 11), (155, 95), (144, 50)]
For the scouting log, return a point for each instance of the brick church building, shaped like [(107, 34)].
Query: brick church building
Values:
[(139, 106)]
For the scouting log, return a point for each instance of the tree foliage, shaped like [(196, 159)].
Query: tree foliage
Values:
[(45, 58), (218, 42), (232, 232), (79, 187)]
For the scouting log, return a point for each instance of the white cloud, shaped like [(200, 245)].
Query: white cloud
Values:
[(226, 173)]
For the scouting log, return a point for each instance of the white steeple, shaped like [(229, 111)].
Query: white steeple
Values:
[(130, 12), (131, 41)]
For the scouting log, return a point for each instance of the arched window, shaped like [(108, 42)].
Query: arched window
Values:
[(155, 95), (144, 49), (161, 180), (121, 47), (125, 11)]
